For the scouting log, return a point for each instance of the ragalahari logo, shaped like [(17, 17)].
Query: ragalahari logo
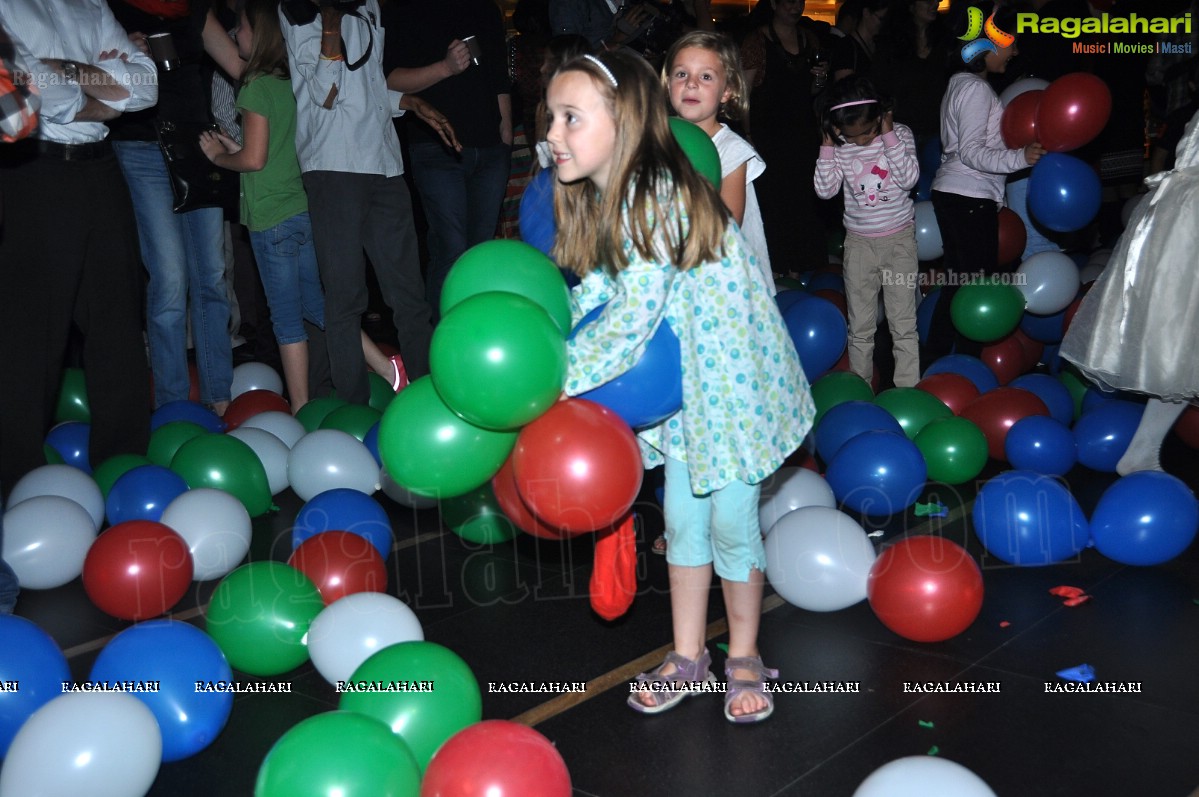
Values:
[(995, 38)]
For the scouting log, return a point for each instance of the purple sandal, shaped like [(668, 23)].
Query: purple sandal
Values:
[(736, 686), (668, 690)]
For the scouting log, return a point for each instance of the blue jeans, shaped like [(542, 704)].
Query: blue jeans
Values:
[(462, 195), (286, 259), (184, 253)]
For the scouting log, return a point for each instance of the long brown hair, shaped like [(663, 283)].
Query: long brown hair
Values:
[(650, 176), (268, 55)]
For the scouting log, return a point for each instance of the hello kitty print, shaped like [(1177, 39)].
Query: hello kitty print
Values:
[(876, 180)]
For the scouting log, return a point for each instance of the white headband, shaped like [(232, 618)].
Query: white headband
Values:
[(603, 68)]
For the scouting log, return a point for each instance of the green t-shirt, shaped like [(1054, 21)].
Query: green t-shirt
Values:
[(276, 193)]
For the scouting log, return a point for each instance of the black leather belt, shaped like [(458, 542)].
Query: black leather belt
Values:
[(74, 152)]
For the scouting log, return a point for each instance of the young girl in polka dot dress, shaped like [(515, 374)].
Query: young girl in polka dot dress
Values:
[(651, 240)]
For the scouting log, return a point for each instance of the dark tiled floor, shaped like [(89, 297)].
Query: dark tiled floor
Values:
[(519, 612)]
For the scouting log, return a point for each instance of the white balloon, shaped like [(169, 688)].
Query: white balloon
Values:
[(819, 559), (280, 424), (255, 376), (326, 459), (99, 744), (46, 539), (1019, 87), (928, 235), (61, 480), (790, 489), (923, 776), (271, 452), (402, 495), (216, 528), (350, 630), (1049, 282)]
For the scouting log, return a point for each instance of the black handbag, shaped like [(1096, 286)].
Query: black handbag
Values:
[(196, 182)]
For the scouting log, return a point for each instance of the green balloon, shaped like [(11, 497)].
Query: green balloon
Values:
[(1077, 388), (225, 463), (166, 440), (912, 407), (987, 310), (477, 517), (498, 360), (423, 719), (52, 456), (340, 753), (315, 411), (428, 450), (698, 147), (836, 242), (72, 398), (512, 267), (259, 616), (115, 467), (381, 392), (954, 449), (788, 284), (353, 419), (838, 387)]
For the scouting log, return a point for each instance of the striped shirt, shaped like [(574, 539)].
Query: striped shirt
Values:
[(876, 180), (18, 100)]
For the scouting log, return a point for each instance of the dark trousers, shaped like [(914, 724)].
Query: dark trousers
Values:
[(68, 255), (353, 214), (970, 234)]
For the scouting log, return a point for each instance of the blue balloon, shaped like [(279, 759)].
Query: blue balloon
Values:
[(972, 368), (930, 160), (537, 225), (1024, 518), (1145, 518), (785, 299), (1052, 358), (1094, 396), (371, 441), (819, 333), (877, 473), (847, 420), (1103, 433), (178, 656), (1063, 192), (70, 440), (1044, 328), (31, 658), (186, 411), (924, 313), (1051, 391), (649, 392), (1041, 445), (344, 509), (825, 280), (142, 493)]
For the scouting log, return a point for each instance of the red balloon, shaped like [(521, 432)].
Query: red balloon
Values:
[(137, 570), (340, 563), (193, 378), (926, 589), (1019, 122), (496, 758), (996, 411), (1073, 307), (954, 390), (802, 458), (1033, 349), (508, 497), (578, 466), (1187, 427), (836, 298), (1012, 235), (1005, 357), (251, 403), (1073, 110)]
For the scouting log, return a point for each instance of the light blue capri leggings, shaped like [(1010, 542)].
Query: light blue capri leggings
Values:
[(720, 528)]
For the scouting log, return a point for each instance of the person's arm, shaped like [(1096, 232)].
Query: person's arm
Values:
[(732, 191), (406, 79), (221, 48), (315, 58), (120, 76), (505, 101), (19, 102), (900, 148), (433, 118), (248, 157), (703, 14), (828, 176), (971, 113)]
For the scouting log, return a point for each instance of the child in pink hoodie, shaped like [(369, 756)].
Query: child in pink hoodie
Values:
[(874, 162)]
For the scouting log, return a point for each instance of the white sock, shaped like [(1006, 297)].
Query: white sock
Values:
[(1144, 450)]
